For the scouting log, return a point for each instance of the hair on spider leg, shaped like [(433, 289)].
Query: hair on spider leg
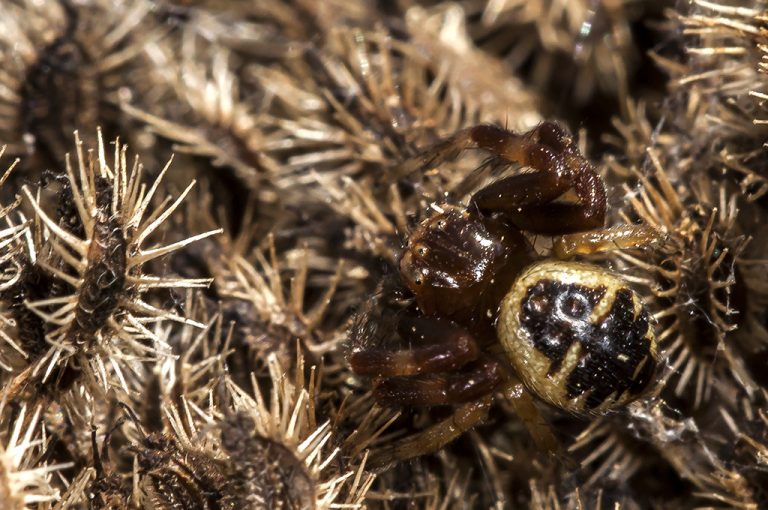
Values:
[(492, 166)]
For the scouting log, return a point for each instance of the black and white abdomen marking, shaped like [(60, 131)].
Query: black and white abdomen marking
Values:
[(578, 336)]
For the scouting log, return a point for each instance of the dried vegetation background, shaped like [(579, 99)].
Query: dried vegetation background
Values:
[(200, 195)]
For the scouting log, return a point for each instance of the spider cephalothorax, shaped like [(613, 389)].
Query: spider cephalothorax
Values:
[(575, 334)]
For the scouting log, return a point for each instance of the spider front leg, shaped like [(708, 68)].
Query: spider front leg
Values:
[(528, 199)]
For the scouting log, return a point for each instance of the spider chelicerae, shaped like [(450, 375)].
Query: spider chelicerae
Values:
[(489, 314)]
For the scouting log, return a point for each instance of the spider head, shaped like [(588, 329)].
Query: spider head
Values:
[(454, 258)]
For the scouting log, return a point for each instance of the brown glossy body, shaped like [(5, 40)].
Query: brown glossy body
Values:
[(459, 265), (463, 262)]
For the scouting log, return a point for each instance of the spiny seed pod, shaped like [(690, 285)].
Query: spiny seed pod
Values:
[(757, 182), (271, 310), (403, 101), (97, 252), (67, 62), (725, 45), (610, 452), (14, 278), (27, 29), (293, 446), (750, 446), (716, 478), (548, 497), (271, 298), (374, 225), (275, 289), (202, 355), (24, 483), (171, 476), (270, 448), (589, 42), (216, 120), (693, 277), (242, 452), (269, 29)]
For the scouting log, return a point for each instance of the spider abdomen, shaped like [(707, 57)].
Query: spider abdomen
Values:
[(578, 336)]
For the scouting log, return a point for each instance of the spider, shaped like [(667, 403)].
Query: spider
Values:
[(490, 316)]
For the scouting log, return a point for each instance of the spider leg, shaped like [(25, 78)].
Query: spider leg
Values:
[(478, 380), (527, 199), (547, 147), (432, 439), (522, 403), (448, 348), (555, 218), (463, 419), (520, 191), (553, 135), (620, 237)]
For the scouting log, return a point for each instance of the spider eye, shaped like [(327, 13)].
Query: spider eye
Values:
[(420, 276)]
